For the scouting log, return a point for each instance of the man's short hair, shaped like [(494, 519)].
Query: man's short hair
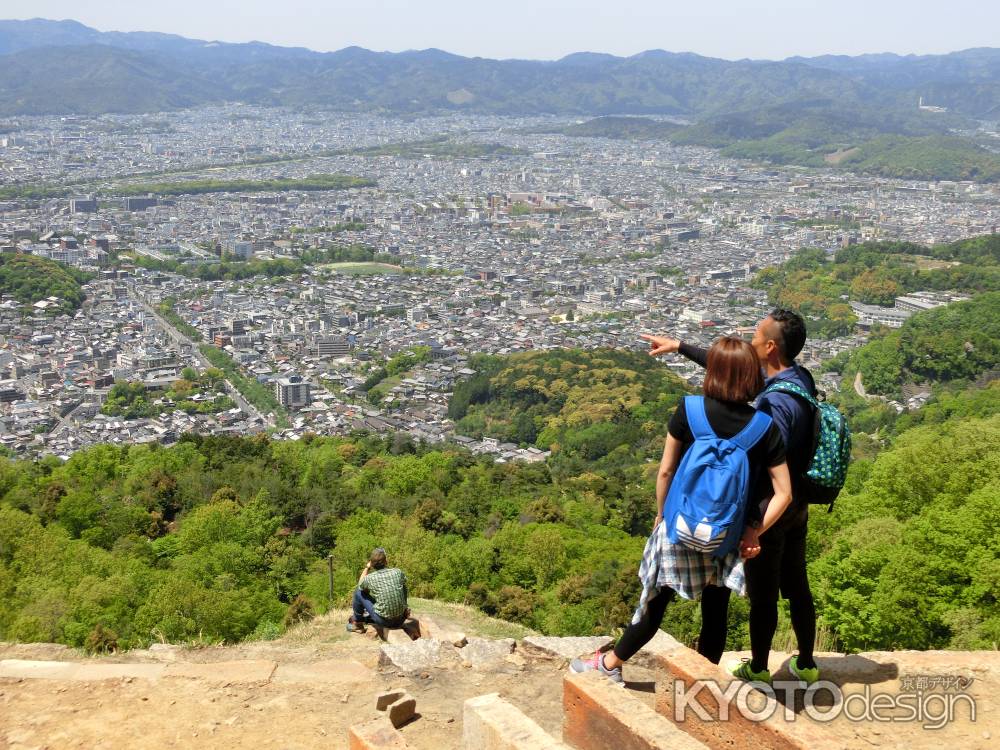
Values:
[(791, 332), (377, 558)]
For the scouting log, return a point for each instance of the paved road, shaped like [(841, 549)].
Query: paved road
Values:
[(859, 386), (66, 421), (200, 359)]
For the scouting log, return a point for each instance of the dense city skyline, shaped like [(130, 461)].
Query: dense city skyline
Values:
[(728, 29)]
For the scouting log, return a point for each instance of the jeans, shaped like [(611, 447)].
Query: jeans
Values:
[(364, 611)]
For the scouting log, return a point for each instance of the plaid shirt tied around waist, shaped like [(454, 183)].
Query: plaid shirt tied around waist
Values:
[(684, 570)]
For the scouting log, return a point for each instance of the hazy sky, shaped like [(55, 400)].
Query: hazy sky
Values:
[(548, 29)]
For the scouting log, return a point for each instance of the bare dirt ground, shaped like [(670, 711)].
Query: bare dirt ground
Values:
[(306, 689)]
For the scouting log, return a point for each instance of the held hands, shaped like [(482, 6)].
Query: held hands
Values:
[(750, 543), (660, 344)]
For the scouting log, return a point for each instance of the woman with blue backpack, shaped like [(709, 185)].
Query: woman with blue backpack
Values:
[(716, 448)]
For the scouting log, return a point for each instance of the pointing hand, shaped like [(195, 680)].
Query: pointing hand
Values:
[(660, 344)]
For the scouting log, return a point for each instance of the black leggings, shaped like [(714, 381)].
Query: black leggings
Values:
[(780, 568), (711, 641)]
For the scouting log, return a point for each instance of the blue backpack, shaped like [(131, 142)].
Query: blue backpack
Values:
[(707, 500)]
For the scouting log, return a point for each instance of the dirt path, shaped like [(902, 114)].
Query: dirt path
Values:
[(306, 689)]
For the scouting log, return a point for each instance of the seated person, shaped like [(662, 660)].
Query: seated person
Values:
[(380, 597)]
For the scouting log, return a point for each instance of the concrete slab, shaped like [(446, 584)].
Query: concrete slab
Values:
[(29, 669), (78, 671), (326, 672), (224, 671), (86, 672)]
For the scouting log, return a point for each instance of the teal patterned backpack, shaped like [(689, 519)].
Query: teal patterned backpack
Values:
[(823, 480)]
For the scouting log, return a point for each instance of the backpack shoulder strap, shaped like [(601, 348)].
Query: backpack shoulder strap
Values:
[(756, 428), (694, 407), (784, 386)]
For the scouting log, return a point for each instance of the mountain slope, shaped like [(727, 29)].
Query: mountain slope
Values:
[(353, 78), (94, 79)]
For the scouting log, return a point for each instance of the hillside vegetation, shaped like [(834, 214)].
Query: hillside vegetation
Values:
[(29, 279), (876, 273), (217, 538), (891, 142), (958, 342)]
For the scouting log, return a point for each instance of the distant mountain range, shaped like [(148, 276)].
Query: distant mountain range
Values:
[(858, 113), (59, 67)]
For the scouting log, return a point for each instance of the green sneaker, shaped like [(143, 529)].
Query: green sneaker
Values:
[(808, 676), (744, 672)]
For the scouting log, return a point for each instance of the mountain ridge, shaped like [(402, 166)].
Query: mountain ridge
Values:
[(416, 81)]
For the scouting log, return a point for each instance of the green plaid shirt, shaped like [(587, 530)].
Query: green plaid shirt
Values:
[(388, 589)]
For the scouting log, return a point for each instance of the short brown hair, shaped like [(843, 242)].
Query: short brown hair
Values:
[(733, 372), (377, 558)]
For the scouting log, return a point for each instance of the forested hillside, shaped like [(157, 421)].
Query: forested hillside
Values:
[(29, 279), (220, 538), (876, 273)]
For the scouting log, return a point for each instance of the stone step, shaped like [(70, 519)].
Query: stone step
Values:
[(238, 671), (377, 734), (324, 672), (491, 723), (564, 648), (241, 671), (78, 671), (418, 656), (728, 713), (597, 714)]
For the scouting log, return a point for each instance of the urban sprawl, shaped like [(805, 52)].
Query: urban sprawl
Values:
[(469, 235)]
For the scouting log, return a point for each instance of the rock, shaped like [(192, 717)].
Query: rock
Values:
[(402, 711), (564, 648), (662, 643), (431, 628), (396, 637), (482, 652), (416, 656), (386, 699), (412, 628)]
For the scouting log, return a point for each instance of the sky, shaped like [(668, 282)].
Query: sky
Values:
[(549, 29)]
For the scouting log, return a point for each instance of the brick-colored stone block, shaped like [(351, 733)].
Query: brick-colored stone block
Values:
[(378, 734), (730, 721), (598, 715), (386, 699), (491, 723), (402, 710)]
